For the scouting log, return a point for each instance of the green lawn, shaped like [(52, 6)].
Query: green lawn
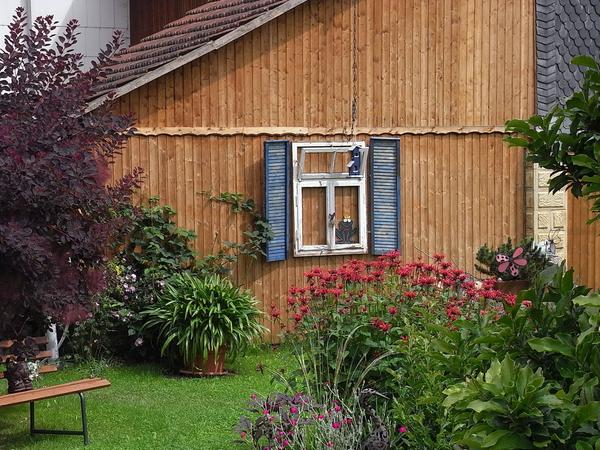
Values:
[(145, 409)]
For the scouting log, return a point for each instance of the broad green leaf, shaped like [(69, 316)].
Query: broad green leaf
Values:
[(491, 406), (584, 161), (592, 299), (585, 61), (548, 344)]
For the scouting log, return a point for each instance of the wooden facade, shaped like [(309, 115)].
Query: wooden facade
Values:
[(441, 75), (583, 243)]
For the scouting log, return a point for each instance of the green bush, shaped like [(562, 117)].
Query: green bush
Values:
[(510, 407), (552, 330), (156, 249), (194, 316), (567, 140)]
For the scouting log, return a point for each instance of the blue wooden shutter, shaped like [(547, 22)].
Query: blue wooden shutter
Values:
[(277, 195), (385, 195)]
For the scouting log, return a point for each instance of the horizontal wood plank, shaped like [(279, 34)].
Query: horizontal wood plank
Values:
[(39, 340), (53, 391), (38, 356), (306, 131), (44, 369)]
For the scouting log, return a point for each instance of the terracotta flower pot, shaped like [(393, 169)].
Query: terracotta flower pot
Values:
[(513, 286), (18, 376), (212, 365)]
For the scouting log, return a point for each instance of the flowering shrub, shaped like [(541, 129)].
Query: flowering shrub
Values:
[(282, 421), (365, 310)]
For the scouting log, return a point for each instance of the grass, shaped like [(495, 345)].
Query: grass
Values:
[(145, 409)]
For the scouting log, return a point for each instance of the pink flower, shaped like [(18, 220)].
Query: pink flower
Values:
[(336, 425), (294, 410), (329, 444), (402, 429)]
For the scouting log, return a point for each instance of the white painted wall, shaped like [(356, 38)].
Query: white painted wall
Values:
[(97, 19)]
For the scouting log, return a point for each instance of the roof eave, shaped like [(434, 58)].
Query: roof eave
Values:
[(197, 53)]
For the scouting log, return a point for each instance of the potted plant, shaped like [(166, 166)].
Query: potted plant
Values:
[(200, 320), (513, 265), (20, 370)]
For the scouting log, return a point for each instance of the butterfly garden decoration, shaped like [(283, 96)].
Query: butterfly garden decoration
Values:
[(512, 264)]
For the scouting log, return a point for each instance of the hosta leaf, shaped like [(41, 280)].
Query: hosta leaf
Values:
[(491, 406), (592, 299), (551, 345)]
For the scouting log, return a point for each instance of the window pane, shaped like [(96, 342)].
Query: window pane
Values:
[(317, 162), (346, 214), (314, 216)]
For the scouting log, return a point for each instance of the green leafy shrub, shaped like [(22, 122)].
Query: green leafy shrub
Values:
[(552, 329), (567, 139), (510, 407), (194, 316), (156, 244), (156, 249), (535, 257)]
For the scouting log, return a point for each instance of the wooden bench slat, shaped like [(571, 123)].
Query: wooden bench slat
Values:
[(39, 355), (44, 369), (39, 340), (53, 391)]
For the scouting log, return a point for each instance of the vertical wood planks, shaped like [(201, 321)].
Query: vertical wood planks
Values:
[(583, 242)]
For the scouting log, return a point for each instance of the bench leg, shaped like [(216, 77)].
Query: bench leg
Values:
[(86, 438), (83, 432)]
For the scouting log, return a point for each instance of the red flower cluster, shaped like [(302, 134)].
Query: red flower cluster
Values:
[(358, 288), (381, 324)]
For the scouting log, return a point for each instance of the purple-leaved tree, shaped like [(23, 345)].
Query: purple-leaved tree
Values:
[(58, 217)]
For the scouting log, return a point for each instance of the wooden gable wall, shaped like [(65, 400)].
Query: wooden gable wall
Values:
[(442, 75)]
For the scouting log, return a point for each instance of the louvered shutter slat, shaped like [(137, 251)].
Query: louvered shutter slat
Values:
[(385, 195), (277, 193)]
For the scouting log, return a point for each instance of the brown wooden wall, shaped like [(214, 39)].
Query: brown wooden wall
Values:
[(443, 75), (420, 63), (149, 16), (583, 241), (457, 192)]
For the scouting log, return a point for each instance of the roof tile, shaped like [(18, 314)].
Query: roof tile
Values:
[(196, 28)]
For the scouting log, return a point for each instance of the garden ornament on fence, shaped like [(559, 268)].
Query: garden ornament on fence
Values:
[(511, 263)]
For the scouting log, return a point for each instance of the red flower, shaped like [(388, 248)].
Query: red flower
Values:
[(392, 310), (439, 256), (409, 294), (275, 312)]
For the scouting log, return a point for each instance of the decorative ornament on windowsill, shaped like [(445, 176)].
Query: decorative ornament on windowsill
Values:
[(345, 231), (512, 265)]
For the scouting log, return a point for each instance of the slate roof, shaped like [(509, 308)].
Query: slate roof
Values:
[(198, 27), (564, 29)]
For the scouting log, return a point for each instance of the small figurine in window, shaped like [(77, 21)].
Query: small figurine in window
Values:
[(345, 232)]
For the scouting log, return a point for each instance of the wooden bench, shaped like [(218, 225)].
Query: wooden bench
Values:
[(31, 396)]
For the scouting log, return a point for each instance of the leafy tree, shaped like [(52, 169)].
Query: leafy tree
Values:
[(567, 139), (57, 216)]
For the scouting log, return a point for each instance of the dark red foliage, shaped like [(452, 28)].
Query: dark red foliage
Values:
[(57, 217)]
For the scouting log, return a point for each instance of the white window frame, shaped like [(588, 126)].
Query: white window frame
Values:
[(330, 181)]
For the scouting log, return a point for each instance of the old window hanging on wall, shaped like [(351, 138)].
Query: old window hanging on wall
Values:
[(330, 198)]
